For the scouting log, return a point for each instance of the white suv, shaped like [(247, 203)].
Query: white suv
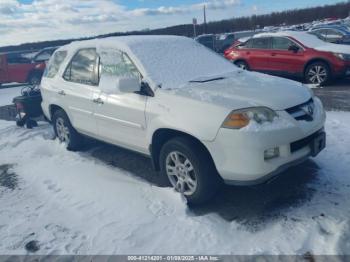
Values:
[(197, 116)]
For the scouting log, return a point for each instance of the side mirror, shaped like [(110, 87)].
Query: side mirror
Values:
[(294, 48), (128, 84)]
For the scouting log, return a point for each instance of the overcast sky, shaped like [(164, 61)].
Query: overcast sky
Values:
[(36, 20)]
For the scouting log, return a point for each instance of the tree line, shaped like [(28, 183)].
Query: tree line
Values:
[(289, 17)]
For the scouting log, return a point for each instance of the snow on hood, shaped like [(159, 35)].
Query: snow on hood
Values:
[(311, 41), (247, 89)]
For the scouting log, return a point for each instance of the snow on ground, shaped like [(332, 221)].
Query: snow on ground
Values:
[(8, 93), (74, 204)]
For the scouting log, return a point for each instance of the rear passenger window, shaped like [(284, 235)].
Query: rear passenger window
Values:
[(55, 63), (83, 68), (260, 43)]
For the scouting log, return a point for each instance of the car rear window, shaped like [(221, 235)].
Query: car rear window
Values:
[(55, 63)]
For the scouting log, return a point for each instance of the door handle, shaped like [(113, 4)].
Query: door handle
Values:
[(273, 54), (62, 93), (98, 101)]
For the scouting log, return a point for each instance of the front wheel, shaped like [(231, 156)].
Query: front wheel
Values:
[(65, 132), (189, 170), (317, 73)]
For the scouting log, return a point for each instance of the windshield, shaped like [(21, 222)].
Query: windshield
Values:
[(172, 62)]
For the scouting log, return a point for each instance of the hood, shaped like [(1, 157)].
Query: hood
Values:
[(246, 89)]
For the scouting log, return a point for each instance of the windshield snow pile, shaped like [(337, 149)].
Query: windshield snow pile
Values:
[(173, 61)]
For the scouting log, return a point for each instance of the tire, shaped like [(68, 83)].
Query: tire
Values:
[(65, 132), (194, 175), (34, 79), (243, 65), (317, 73)]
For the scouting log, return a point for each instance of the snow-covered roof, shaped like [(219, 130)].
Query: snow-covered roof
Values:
[(167, 60), (310, 41)]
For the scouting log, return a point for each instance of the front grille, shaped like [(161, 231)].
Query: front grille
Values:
[(303, 111), (297, 145)]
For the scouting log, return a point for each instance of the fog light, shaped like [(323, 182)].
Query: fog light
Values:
[(271, 153)]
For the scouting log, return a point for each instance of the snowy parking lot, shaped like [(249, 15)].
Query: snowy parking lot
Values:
[(106, 200)]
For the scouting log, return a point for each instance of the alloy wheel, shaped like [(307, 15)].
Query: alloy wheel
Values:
[(317, 74), (181, 173), (62, 131)]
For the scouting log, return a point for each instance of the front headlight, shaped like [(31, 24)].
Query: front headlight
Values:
[(240, 118), (344, 57)]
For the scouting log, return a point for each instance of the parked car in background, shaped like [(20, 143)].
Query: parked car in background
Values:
[(199, 118), (208, 40), (224, 41), (332, 34), (44, 55), (16, 68), (292, 54)]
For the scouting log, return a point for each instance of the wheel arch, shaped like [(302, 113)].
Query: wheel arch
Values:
[(162, 135), (241, 60), (54, 108), (318, 59)]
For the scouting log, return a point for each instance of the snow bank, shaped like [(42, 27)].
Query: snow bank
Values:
[(74, 204), (311, 41), (277, 123)]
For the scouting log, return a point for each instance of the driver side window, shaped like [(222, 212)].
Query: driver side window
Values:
[(281, 43), (118, 64)]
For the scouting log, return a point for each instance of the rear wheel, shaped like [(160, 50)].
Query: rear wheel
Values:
[(317, 73), (189, 170), (65, 132), (243, 65)]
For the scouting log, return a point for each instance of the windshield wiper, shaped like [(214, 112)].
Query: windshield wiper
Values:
[(207, 80)]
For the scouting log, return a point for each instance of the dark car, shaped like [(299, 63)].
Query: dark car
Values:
[(291, 54), (208, 40)]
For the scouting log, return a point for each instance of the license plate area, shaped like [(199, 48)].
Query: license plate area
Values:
[(318, 144)]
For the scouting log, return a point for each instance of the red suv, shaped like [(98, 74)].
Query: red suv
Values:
[(292, 54), (16, 68)]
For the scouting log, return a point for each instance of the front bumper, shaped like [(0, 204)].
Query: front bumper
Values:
[(239, 155)]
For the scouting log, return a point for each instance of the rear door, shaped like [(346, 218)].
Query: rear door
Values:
[(79, 87), (256, 52), (3, 69), (283, 60)]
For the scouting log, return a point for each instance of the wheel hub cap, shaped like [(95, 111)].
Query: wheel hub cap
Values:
[(181, 173), (317, 75), (62, 131)]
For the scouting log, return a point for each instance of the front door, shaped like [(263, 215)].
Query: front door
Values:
[(283, 60), (120, 116)]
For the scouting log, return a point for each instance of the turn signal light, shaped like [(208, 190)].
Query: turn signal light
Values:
[(236, 121)]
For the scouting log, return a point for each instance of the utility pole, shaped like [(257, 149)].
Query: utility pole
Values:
[(205, 18)]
